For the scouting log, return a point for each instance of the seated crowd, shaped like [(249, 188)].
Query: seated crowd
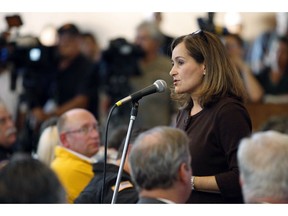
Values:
[(156, 170)]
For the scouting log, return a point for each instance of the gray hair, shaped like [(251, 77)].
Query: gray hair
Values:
[(156, 156), (263, 164), (152, 29)]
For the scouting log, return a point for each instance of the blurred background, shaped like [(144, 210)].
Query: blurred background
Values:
[(108, 25)]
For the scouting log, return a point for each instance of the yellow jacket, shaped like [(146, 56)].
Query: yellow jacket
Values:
[(73, 172)]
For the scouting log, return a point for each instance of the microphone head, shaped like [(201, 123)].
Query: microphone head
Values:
[(161, 85)]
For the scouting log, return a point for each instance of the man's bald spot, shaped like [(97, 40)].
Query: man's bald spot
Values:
[(71, 115)]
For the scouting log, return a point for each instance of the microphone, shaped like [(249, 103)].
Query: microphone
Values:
[(157, 86)]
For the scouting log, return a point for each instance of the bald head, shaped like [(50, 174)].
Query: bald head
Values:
[(72, 118), (78, 131)]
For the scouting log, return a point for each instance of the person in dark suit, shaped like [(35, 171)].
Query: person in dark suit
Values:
[(167, 39), (160, 166), (72, 84)]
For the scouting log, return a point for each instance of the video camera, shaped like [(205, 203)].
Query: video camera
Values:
[(25, 54), (120, 63)]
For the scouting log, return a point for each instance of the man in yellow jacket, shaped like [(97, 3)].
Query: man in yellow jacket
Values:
[(79, 142)]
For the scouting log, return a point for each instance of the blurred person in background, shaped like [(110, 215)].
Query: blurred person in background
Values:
[(114, 143), (260, 47), (235, 48), (274, 77), (67, 85), (156, 109), (277, 123), (8, 133), (165, 49), (72, 76), (90, 47), (10, 87)]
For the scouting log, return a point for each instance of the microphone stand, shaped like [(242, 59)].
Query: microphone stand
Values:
[(134, 112)]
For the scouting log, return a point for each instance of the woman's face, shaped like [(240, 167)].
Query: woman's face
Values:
[(186, 72)]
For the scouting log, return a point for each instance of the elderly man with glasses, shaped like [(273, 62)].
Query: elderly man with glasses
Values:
[(79, 142), (8, 133)]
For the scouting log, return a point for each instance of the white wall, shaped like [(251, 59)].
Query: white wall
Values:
[(108, 25)]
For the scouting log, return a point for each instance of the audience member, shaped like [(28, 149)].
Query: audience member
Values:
[(8, 133), (79, 142), (274, 78), (27, 180), (72, 85), (114, 143), (117, 136), (90, 47), (92, 50), (211, 94), (127, 192), (65, 82), (276, 123), (159, 162), (262, 44), (10, 90), (235, 48), (263, 162), (167, 39), (156, 109), (119, 62), (48, 140)]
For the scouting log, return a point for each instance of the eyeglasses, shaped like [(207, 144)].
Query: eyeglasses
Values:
[(84, 130), (201, 33)]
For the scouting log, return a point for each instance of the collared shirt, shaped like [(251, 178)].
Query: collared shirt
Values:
[(74, 171), (166, 201), (83, 157)]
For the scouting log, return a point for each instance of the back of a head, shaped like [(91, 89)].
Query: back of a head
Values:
[(48, 140), (156, 155), (90, 46), (276, 123), (68, 45), (263, 162), (157, 18), (152, 29), (69, 28), (27, 180)]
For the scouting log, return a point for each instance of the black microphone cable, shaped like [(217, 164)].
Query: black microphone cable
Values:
[(105, 151)]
